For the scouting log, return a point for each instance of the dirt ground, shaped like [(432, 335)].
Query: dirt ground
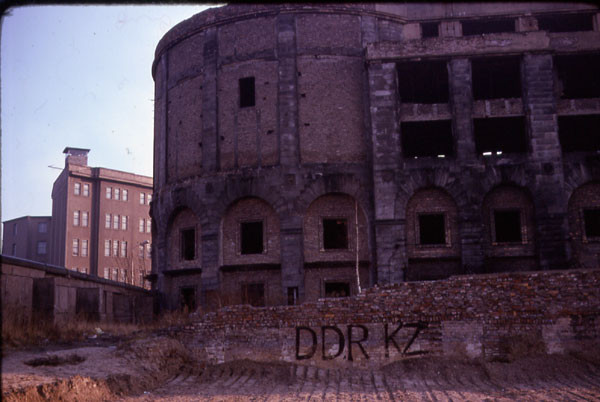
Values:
[(159, 369)]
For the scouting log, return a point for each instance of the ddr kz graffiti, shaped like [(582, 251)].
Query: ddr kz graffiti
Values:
[(354, 335)]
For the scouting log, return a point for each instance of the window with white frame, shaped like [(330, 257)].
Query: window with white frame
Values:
[(115, 274), (84, 248), (76, 247), (117, 194), (41, 247), (86, 190), (123, 249), (75, 218), (115, 248), (125, 195), (149, 225), (84, 219), (142, 198), (106, 273), (108, 193), (77, 189), (149, 250), (107, 248), (149, 198), (124, 222), (141, 250), (115, 221), (107, 220), (141, 228)]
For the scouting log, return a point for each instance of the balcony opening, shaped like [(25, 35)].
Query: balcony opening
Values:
[(337, 289), (247, 93), (251, 234), (487, 26), (432, 229), (427, 138), (579, 133), (423, 81), (566, 22), (591, 218), (500, 135), (578, 76), (507, 226), (335, 234), (188, 244), (496, 77), (253, 294), (429, 29)]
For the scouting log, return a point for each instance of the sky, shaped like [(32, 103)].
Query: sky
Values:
[(76, 76)]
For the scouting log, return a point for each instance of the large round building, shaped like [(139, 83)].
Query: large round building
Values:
[(307, 151)]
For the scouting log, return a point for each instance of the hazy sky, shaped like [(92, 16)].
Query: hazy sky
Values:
[(76, 76)]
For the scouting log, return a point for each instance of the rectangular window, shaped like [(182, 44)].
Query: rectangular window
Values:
[(77, 189), (188, 244), (292, 296), (141, 227), (106, 273), (423, 82), (84, 219), (117, 194), (42, 227), (429, 29), (123, 249), (84, 248), (115, 221), (496, 77), (566, 22), (149, 225), (125, 195), (124, 222), (107, 248), (427, 139), (75, 247), (507, 226), (107, 220), (591, 219), (142, 198), (115, 274), (149, 198), (115, 248), (41, 247), (108, 193), (86, 190), (149, 250), (432, 229), (337, 289), (500, 135), (335, 234), (253, 294), (75, 218), (487, 26), (247, 95), (251, 237), (577, 76), (123, 276), (579, 133)]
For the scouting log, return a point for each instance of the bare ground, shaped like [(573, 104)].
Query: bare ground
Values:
[(159, 369)]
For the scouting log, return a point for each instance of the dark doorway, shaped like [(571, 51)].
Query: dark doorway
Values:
[(337, 289), (253, 294), (188, 299), (188, 244)]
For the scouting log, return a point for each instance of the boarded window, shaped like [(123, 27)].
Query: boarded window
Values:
[(578, 76), (432, 229), (188, 297), (500, 135), (335, 234), (496, 77), (247, 94), (579, 133), (566, 22), (429, 30), (507, 226), (251, 234), (423, 82), (188, 244), (591, 218), (337, 289), (253, 294), (487, 26), (427, 138)]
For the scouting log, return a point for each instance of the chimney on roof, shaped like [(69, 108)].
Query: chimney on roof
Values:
[(76, 156)]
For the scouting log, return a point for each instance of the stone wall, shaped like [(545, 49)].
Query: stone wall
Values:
[(495, 316)]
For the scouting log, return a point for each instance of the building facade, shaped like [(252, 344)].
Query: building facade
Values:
[(27, 237), (100, 221), (306, 151)]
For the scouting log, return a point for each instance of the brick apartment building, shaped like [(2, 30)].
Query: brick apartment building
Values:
[(27, 237), (298, 144), (100, 221)]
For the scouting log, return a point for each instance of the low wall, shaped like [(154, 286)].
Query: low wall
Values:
[(36, 291), (495, 316)]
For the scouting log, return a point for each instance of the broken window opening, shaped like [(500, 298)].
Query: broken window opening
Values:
[(566, 22), (427, 138), (188, 244), (577, 76), (292, 296), (579, 133), (335, 234), (500, 135), (251, 234), (247, 93), (423, 81), (337, 289), (188, 299), (432, 229), (429, 29), (496, 77), (487, 26), (253, 294), (591, 219), (507, 226)]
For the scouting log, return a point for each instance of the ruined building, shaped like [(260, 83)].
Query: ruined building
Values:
[(416, 141)]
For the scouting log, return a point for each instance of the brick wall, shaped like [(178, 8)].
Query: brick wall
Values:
[(585, 251), (184, 219)]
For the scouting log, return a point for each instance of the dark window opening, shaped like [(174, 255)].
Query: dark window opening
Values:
[(429, 29), (337, 289), (335, 234), (251, 237), (292, 296), (253, 294), (566, 22), (247, 95), (496, 77), (578, 76), (487, 26), (507, 225), (500, 135), (432, 229), (188, 244), (188, 299), (427, 138), (579, 133), (423, 82), (591, 218)]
